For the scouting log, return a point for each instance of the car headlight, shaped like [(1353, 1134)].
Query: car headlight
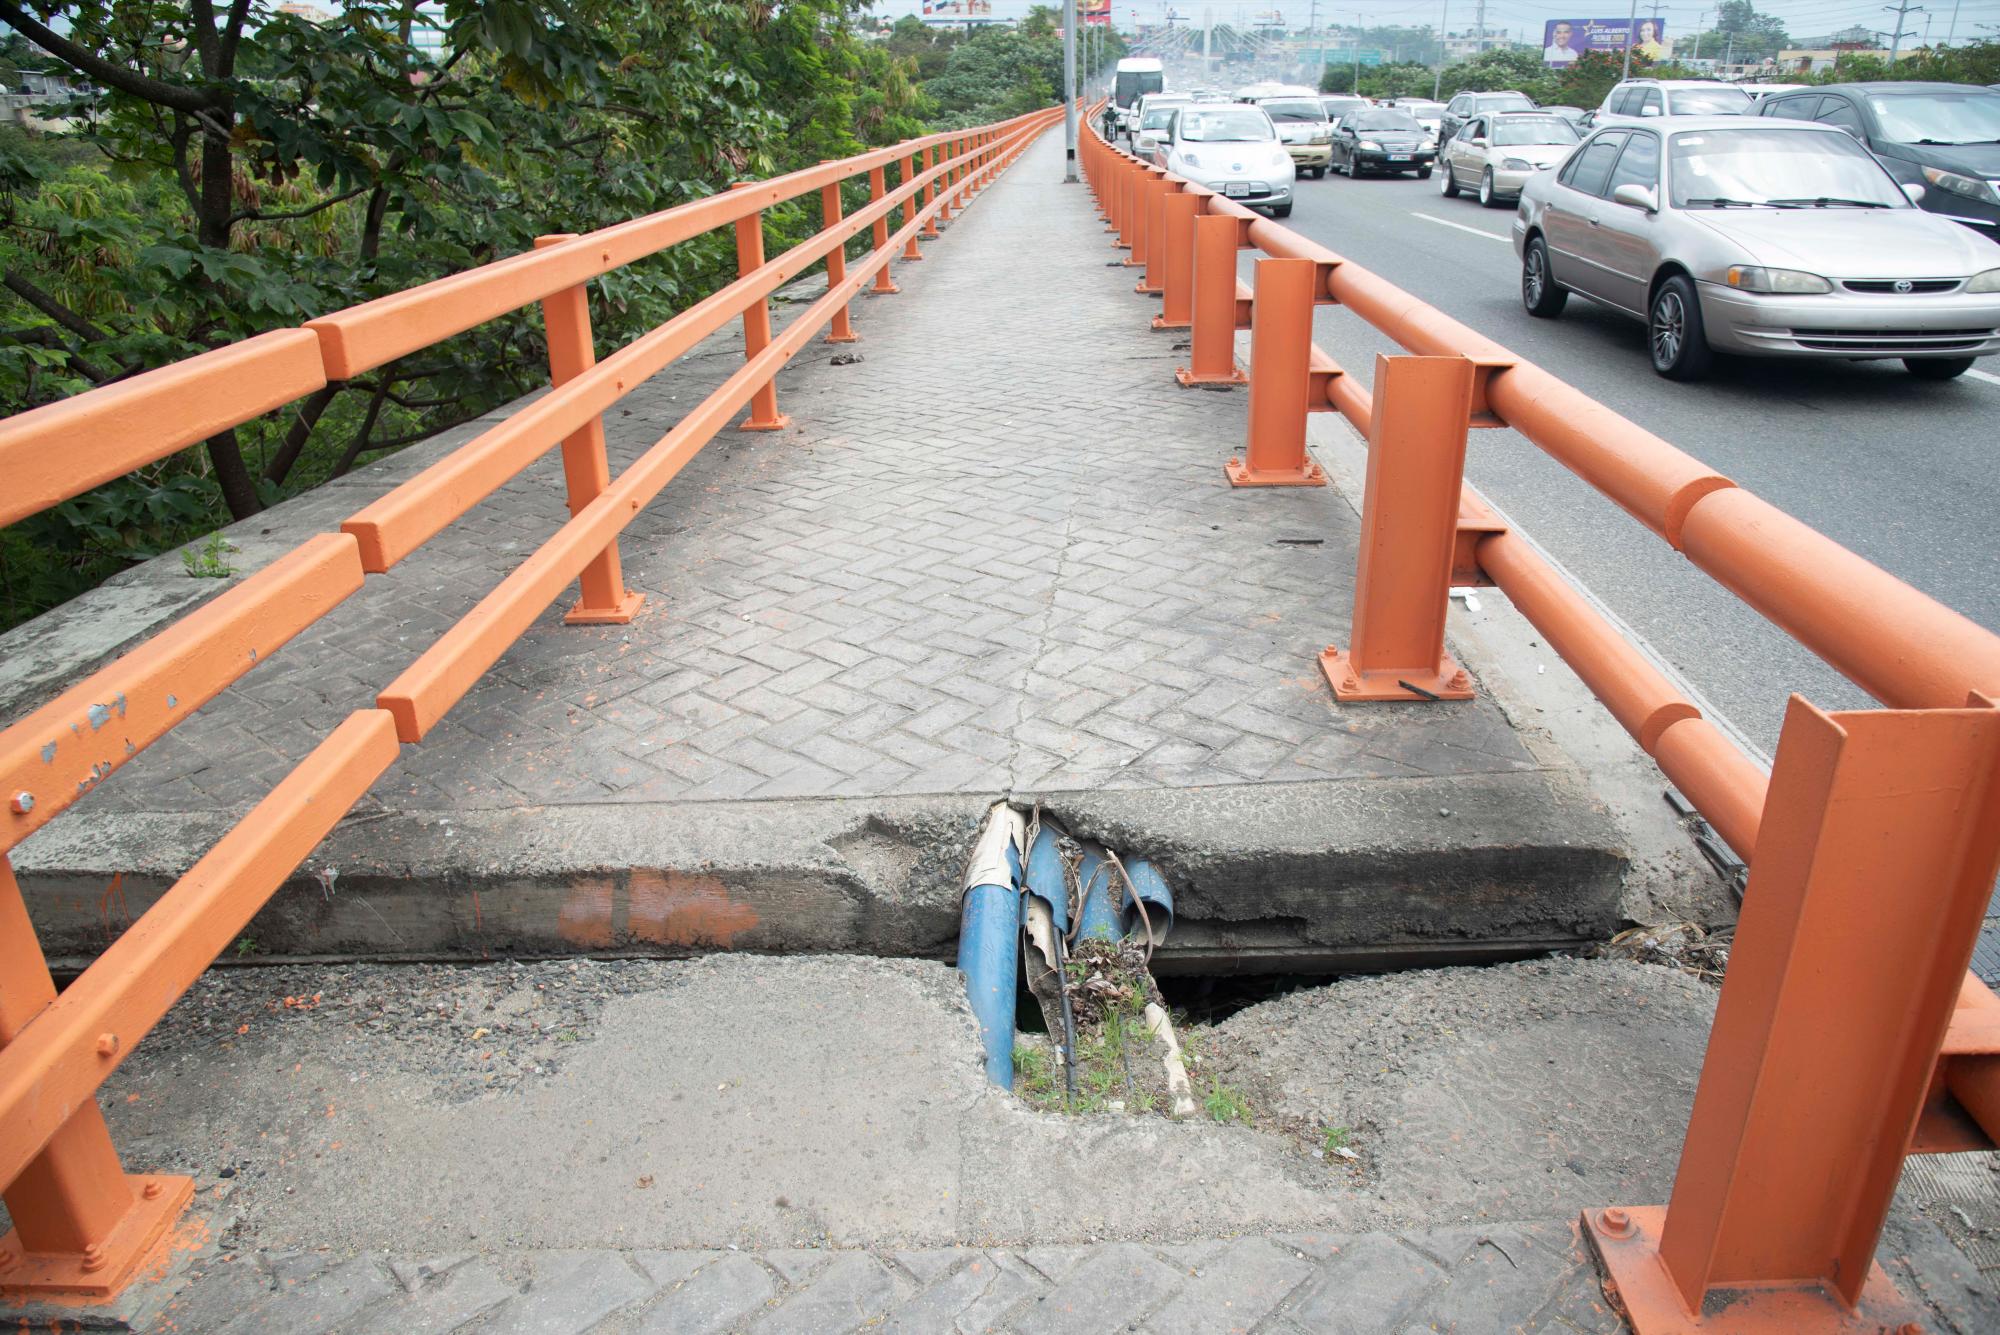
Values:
[(1517, 165), (1322, 136), (1191, 160), (1752, 278), (1371, 146), (1984, 282), (1968, 187)]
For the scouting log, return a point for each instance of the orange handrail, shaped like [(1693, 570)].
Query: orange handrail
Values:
[(82, 1225), (1849, 1030)]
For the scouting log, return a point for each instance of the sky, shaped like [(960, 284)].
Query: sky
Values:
[(1524, 18)]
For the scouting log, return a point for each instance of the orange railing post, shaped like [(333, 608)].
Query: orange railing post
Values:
[(1409, 526), (878, 186), (82, 1225), (1280, 358), (1827, 1032), (1179, 211), (1158, 191), (830, 213), (910, 206), (1144, 181), (1128, 201), (930, 189), (1212, 352), (586, 469), (764, 414)]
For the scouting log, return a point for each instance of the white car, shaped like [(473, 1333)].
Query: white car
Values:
[(1497, 152), (1232, 149)]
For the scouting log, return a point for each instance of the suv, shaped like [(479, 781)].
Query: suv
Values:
[(1642, 99), (1464, 106), (1941, 136)]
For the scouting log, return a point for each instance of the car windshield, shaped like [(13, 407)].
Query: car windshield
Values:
[(1296, 110), (1384, 118), (1504, 102), (1225, 125), (1708, 101), (1720, 169), (1342, 106), (1422, 110), (1970, 117), (1509, 131), (1157, 119)]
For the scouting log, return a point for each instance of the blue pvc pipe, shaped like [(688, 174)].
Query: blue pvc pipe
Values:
[(1096, 920), (1045, 875), (989, 955), (1151, 887)]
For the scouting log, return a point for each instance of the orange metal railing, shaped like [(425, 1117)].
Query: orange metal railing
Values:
[(1848, 1032), (82, 1225)]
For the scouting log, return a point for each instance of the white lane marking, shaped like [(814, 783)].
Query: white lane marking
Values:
[(1987, 376), (1476, 231)]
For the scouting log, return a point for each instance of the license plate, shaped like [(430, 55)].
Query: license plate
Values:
[(1399, 157), (1235, 190)]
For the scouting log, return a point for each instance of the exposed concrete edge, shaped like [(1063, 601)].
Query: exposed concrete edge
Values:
[(1287, 875)]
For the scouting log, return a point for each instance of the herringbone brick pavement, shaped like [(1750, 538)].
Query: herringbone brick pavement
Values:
[(996, 554)]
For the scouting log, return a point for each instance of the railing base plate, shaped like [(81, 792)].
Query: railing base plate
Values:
[(1162, 322), (1447, 681), (61, 1277), (1243, 475), (778, 423), (627, 608), (1639, 1287)]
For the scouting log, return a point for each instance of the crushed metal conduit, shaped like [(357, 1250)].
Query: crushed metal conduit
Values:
[(989, 936)]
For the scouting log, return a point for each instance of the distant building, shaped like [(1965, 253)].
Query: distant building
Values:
[(1814, 61), (1466, 45)]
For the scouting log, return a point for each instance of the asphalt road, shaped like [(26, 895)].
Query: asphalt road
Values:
[(1899, 470)]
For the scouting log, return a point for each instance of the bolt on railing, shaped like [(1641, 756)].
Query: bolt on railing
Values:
[(1846, 1037)]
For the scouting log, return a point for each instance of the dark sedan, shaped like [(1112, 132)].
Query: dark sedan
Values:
[(1383, 139), (1944, 137)]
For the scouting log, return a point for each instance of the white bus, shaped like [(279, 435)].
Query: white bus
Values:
[(1137, 76)]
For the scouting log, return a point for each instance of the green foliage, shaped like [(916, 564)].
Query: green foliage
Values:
[(210, 560), (1224, 1103), (245, 173), (1974, 63), (1334, 1138)]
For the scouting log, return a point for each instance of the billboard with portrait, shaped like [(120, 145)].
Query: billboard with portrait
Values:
[(957, 11), (1094, 13), (1564, 40)]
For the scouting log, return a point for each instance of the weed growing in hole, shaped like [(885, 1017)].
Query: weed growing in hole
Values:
[(246, 947), (1034, 1075), (1225, 1104), (211, 561), (1335, 1137)]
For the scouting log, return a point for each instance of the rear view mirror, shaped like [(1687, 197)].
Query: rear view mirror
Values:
[(1637, 196), (1649, 110), (1914, 191), (1479, 141)]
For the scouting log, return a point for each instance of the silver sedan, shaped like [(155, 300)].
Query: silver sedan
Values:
[(1496, 152), (1774, 239)]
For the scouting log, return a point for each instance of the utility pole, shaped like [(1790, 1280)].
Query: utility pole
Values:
[(1631, 23), (1951, 34), (1479, 29), (1703, 18), (1900, 10), (1069, 91), (1444, 22)]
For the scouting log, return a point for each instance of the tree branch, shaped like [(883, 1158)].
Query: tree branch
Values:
[(253, 215), (190, 100), (55, 310)]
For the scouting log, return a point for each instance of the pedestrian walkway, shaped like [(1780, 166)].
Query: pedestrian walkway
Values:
[(995, 555)]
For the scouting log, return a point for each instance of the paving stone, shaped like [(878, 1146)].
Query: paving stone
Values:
[(320, 1303), (1371, 1283), (443, 1300), (1110, 1290), (719, 1296), (1232, 1292), (672, 1267), (853, 1290), (795, 1263), (969, 1298), (570, 1293), (1505, 1280)]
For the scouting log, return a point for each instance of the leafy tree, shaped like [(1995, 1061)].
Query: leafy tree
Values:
[(1743, 34), (246, 169)]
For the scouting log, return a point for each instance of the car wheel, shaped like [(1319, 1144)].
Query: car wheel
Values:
[(1487, 197), (1447, 183), (1540, 293), (1318, 172), (1674, 334), (1423, 173), (1937, 368), (1283, 210), (1353, 167)]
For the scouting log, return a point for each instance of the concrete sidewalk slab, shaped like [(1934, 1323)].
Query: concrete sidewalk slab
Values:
[(746, 1144), (996, 557)]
